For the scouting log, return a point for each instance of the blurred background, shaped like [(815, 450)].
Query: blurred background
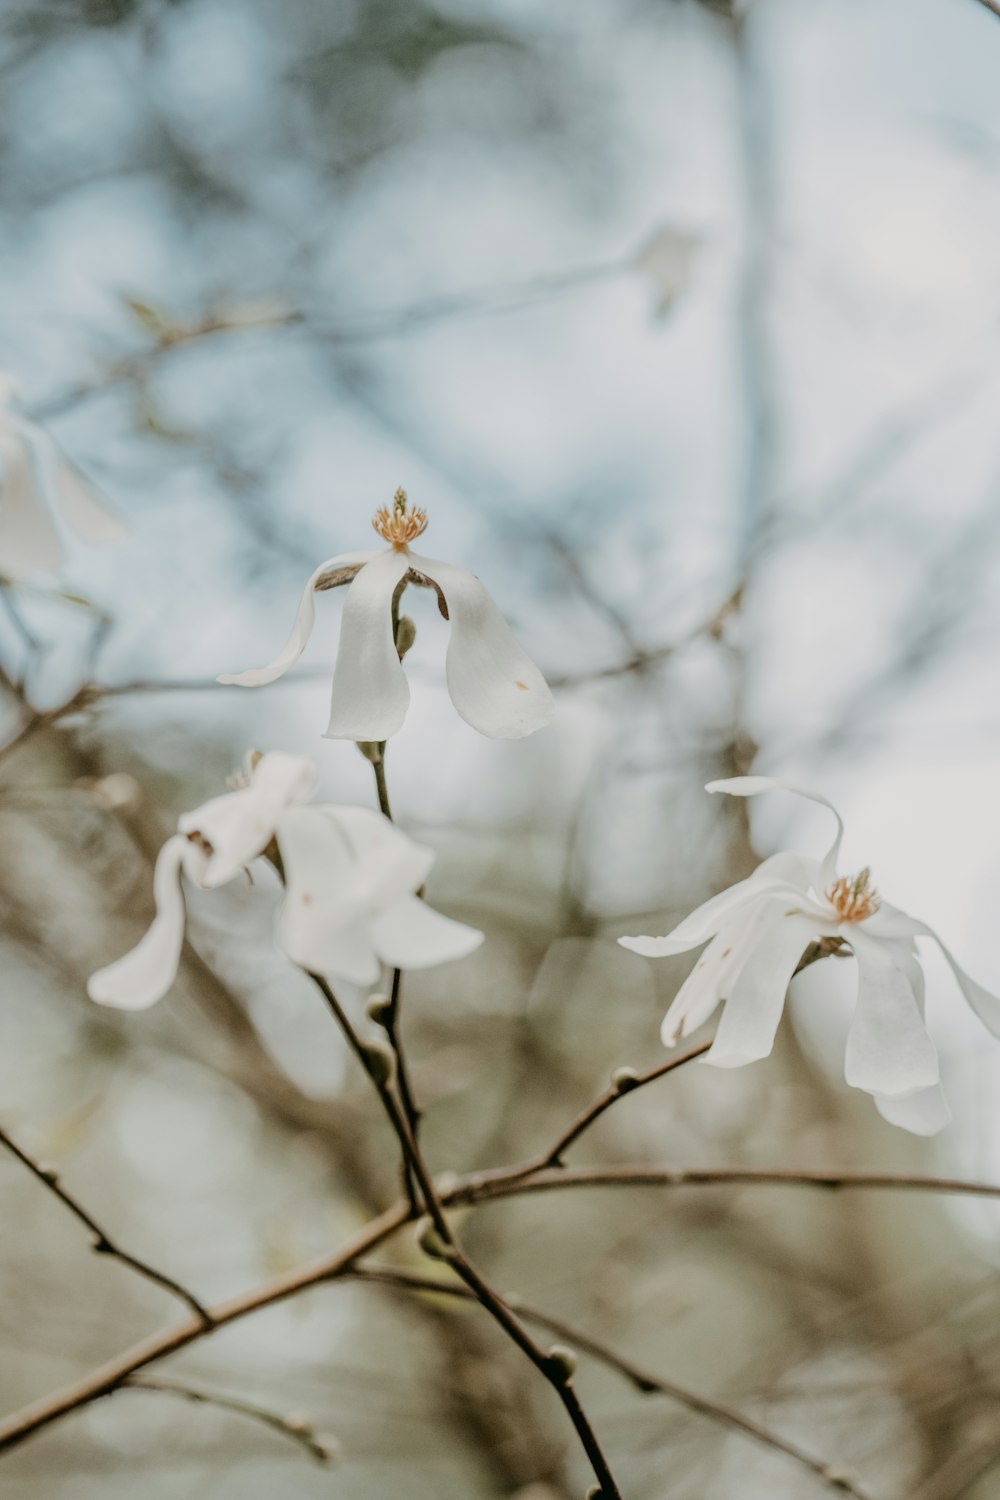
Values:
[(682, 325)]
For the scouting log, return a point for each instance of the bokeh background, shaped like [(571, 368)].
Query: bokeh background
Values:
[(682, 325)]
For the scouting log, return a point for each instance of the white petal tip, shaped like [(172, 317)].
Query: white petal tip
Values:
[(245, 679)]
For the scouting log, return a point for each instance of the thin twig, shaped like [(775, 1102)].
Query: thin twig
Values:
[(448, 1248), (477, 1188), (320, 1447), (103, 1244), (643, 1380)]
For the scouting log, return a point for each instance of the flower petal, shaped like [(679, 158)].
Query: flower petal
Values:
[(493, 684), (29, 541), (701, 993), (756, 999), (70, 493), (925, 1112), (750, 786), (388, 863), (143, 976), (301, 630), (787, 874), (889, 1050), (889, 921), (240, 824), (370, 692), (409, 934), (322, 923)]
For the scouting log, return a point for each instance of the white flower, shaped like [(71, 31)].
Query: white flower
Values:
[(39, 489), (759, 930), (350, 877), (494, 686)]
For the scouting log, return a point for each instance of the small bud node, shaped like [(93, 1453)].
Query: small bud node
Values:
[(378, 1008), (562, 1361), (431, 1243), (380, 1060), (624, 1079)]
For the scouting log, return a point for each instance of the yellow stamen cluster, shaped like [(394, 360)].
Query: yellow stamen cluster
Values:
[(398, 524), (854, 900)]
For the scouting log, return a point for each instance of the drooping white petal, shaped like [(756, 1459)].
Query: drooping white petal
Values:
[(924, 1112), (751, 786), (301, 630), (370, 692), (703, 989), (409, 934), (789, 874), (493, 683), (889, 921), (756, 999), (143, 976), (889, 1050), (70, 494), (240, 824), (322, 924), (388, 864), (29, 541)]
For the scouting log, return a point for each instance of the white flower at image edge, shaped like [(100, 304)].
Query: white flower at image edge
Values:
[(758, 930), (494, 686), (351, 878), (39, 489)]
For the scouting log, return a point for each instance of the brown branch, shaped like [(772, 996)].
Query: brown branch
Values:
[(445, 1245), (991, 5), (643, 1380), (102, 1243), (478, 1188), (322, 1448)]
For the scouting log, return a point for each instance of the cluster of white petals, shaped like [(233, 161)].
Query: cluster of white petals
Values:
[(757, 932), (39, 491), (351, 879), (494, 686)]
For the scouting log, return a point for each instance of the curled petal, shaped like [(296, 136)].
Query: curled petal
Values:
[(144, 975), (409, 934), (370, 692), (756, 999), (702, 992), (750, 786), (924, 1112), (240, 824), (889, 1050), (301, 630), (493, 684), (29, 541)]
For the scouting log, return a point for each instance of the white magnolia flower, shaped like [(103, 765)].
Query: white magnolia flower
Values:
[(351, 879), (493, 684), (39, 490), (759, 930)]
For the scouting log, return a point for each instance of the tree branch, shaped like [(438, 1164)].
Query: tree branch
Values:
[(102, 1243), (320, 1447)]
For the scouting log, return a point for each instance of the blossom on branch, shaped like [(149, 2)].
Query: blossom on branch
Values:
[(494, 686), (39, 490), (757, 932), (351, 879)]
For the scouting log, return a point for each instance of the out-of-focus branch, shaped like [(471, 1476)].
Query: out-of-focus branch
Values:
[(473, 1189), (102, 1243), (643, 1380), (299, 1429)]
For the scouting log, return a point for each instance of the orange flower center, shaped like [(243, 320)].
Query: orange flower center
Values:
[(854, 900), (399, 524)]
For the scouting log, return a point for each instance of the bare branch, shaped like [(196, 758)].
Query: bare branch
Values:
[(299, 1429)]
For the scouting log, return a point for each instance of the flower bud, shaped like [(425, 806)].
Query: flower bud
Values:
[(562, 1361), (406, 634), (380, 1060), (327, 1448), (624, 1079), (595, 1493), (432, 1244), (378, 1008)]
